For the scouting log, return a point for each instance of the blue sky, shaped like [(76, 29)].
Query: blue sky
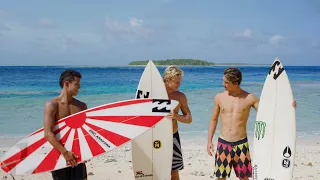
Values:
[(110, 33)]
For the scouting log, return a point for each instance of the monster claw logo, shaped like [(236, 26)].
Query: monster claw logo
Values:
[(260, 129)]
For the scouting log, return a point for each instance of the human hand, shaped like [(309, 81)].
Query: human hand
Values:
[(70, 157), (210, 148), (294, 104), (172, 115)]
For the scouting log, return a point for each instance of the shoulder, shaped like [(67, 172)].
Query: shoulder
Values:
[(252, 97), (178, 96), (51, 104), (80, 104), (181, 96), (219, 95)]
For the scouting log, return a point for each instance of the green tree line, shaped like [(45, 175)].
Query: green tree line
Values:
[(185, 62)]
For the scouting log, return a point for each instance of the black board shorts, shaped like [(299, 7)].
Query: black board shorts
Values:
[(78, 172), (177, 161)]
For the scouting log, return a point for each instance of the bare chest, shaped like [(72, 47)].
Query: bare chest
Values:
[(234, 105), (177, 98), (65, 110)]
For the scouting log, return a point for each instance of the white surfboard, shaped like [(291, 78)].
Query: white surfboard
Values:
[(275, 128), (152, 152)]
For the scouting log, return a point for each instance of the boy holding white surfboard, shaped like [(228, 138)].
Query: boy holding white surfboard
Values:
[(172, 78), (58, 108), (233, 105)]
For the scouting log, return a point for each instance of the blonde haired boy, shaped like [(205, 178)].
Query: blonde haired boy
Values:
[(172, 79)]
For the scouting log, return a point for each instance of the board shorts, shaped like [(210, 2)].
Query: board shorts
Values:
[(234, 155), (78, 172), (177, 160)]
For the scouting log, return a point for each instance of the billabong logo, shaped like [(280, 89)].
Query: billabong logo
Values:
[(260, 129), (273, 68), (140, 93), (161, 105)]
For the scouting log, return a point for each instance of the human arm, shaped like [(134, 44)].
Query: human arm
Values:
[(186, 117), (255, 101), (50, 110), (213, 124)]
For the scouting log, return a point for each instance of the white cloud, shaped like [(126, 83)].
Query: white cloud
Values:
[(26, 38), (130, 30), (136, 22), (18, 36), (45, 22), (130, 26), (115, 25), (247, 33), (276, 39)]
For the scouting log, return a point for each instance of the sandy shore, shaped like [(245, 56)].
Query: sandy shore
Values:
[(198, 165)]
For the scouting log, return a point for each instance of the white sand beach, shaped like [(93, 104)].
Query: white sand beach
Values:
[(198, 164)]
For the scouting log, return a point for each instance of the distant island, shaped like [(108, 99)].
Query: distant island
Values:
[(180, 62)]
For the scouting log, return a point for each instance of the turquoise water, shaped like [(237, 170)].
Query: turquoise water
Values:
[(24, 90)]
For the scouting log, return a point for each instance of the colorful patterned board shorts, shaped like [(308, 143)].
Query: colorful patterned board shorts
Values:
[(234, 155)]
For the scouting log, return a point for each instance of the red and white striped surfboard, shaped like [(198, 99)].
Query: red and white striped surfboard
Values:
[(88, 134)]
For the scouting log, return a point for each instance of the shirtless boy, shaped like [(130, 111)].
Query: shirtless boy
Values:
[(234, 106), (172, 78), (58, 108)]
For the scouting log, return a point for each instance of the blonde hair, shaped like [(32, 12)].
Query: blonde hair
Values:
[(233, 75), (171, 72)]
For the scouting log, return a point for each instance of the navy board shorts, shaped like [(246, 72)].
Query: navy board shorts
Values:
[(78, 172)]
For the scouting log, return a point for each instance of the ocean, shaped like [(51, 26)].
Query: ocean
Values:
[(25, 89)]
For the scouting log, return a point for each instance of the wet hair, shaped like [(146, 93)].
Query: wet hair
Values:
[(172, 71), (68, 75), (233, 75)]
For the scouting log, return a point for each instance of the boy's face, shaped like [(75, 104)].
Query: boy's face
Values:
[(228, 85), (74, 86), (174, 83)]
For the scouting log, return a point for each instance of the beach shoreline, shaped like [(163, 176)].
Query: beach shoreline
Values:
[(197, 163)]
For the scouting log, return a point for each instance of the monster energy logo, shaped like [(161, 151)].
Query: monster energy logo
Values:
[(260, 129)]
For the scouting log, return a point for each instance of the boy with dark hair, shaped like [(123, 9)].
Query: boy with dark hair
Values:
[(58, 108)]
